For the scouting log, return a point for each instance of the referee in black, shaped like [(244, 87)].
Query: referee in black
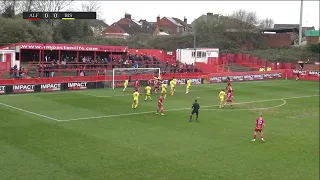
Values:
[(195, 110)]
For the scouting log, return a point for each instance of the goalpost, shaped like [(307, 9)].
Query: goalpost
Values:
[(120, 74)]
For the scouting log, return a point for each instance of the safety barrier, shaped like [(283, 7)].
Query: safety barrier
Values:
[(11, 86)]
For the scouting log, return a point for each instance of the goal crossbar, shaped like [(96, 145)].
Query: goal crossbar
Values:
[(133, 71)]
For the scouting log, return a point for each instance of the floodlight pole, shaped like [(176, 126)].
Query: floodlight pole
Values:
[(194, 42), (300, 25)]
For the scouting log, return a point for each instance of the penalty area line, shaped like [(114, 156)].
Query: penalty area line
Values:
[(284, 102), (181, 109), (29, 112)]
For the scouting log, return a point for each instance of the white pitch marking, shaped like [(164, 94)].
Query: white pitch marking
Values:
[(180, 109), (284, 103), (29, 112)]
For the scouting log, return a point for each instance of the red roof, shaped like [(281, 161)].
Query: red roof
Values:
[(68, 47)]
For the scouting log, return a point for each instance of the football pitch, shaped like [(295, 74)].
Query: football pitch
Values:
[(94, 134)]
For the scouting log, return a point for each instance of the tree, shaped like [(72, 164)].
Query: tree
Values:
[(50, 6), (247, 20), (92, 6), (8, 8), (266, 23)]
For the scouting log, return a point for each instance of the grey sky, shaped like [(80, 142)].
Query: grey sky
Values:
[(282, 12)]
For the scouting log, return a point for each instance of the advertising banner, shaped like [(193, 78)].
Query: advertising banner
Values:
[(296, 71), (249, 77), (77, 86), (195, 81), (50, 87), (314, 73), (23, 88), (2, 89)]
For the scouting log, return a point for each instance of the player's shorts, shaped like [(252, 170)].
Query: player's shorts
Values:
[(195, 112), (136, 100), (125, 85), (163, 91), (221, 99), (188, 87), (160, 106), (257, 130), (148, 94), (172, 88)]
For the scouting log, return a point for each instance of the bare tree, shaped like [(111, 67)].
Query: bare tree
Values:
[(246, 19), (8, 8), (51, 5), (266, 23), (92, 6)]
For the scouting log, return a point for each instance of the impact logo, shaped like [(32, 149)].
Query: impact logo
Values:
[(2, 89), (77, 86), (216, 79), (314, 73), (23, 88), (50, 87)]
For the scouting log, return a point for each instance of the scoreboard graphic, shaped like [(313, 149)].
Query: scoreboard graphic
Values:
[(34, 16)]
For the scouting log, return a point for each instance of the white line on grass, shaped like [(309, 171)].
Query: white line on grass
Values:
[(29, 112), (180, 109), (284, 102)]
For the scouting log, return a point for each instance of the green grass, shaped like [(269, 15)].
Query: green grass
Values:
[(144, 146)]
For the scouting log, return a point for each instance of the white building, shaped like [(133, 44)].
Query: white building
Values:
[(191, 55), (8, 59)]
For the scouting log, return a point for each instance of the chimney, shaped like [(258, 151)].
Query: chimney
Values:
[(128, 16), (158, 18), (209, 14), (185, 20)]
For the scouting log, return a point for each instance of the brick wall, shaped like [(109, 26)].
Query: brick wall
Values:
[(279, 40), (313, 39)]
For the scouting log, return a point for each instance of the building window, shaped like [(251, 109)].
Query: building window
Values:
[(178, 29), (203, 54), (193, 53), (199, 54)]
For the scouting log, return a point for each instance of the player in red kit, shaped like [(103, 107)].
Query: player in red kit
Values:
[(259, 128), (229, 81), (229, 96), (137, 85), (150, 82), (160, 106), (157, 86)]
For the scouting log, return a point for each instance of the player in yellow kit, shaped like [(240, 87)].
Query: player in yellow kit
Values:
[(135, 99), (164, 90), (148, 93), (125, 84), (172, 87), (188, 84), (222, 95)]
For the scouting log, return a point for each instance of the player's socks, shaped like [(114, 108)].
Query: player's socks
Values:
[(132, 106), (136, 106), (254, 136), (165, 96)]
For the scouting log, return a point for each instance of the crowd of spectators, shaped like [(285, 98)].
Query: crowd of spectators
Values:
[(51, 66)]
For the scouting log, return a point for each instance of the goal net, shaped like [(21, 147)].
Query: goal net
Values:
[(119, 75)]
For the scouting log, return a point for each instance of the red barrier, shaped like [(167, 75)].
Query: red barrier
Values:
[(95, 78), (212, 77)]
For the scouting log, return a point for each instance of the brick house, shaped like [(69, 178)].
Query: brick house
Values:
[(173, 26), (312, 36), (127, 26)]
